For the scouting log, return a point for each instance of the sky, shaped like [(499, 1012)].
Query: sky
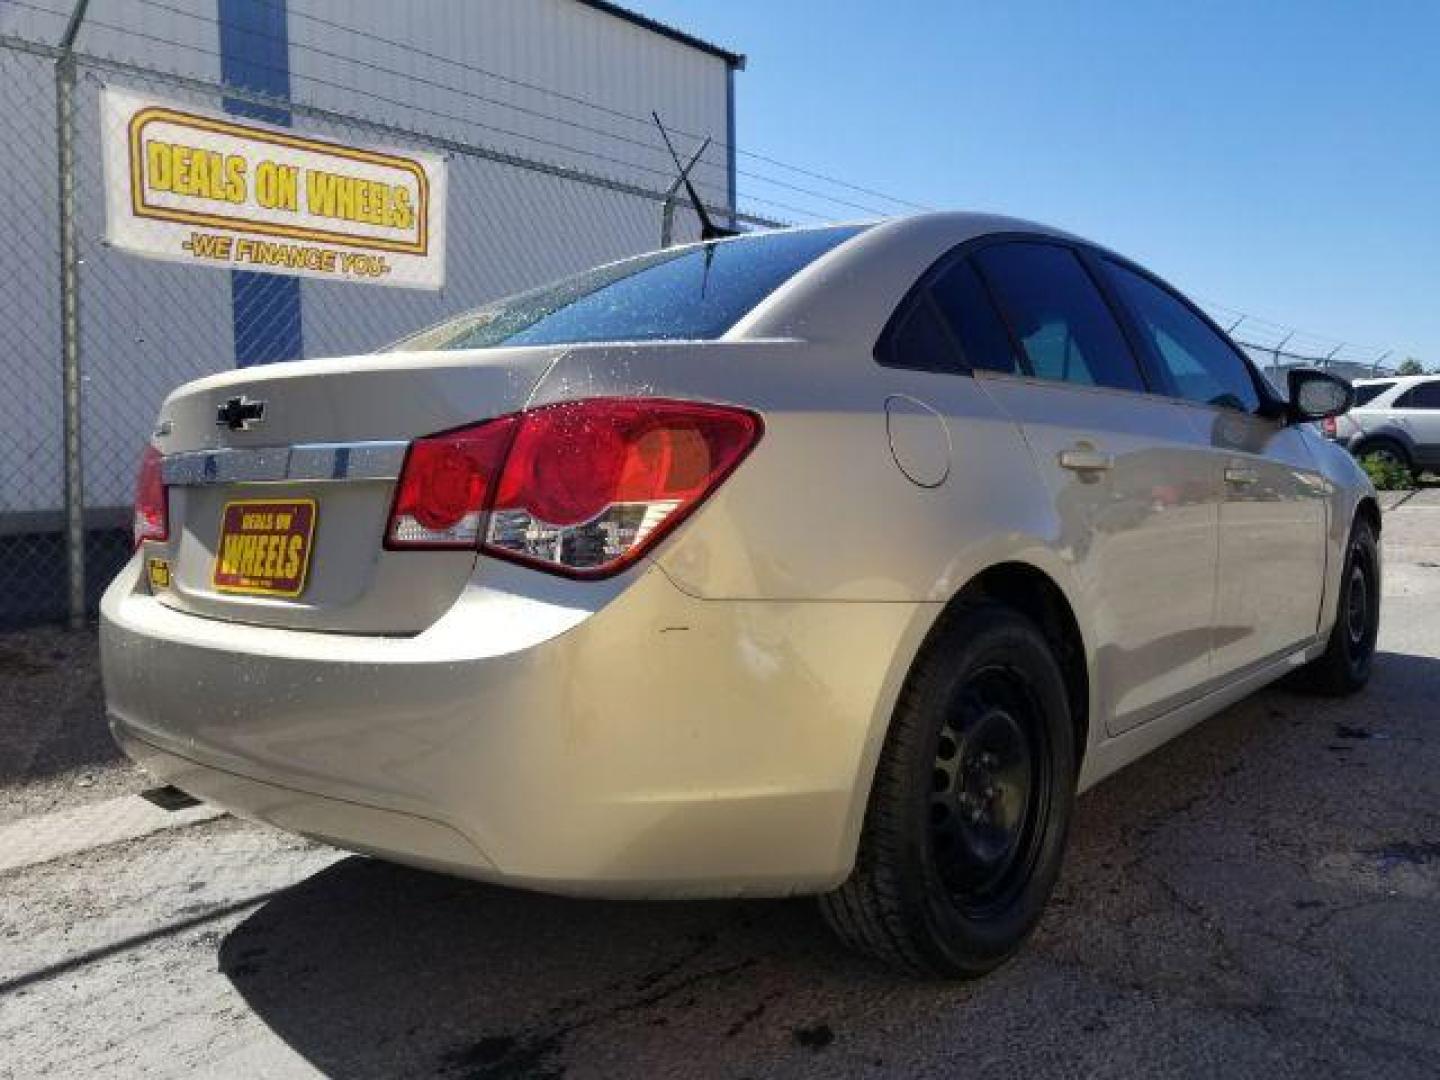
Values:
[(1280, 159)]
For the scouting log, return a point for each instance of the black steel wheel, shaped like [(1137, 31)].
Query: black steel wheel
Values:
[(1349, 654), (988, 806), (970, 806)]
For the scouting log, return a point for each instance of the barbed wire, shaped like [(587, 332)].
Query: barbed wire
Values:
[(647, 145), (1257, 332), (1281, 339), (645, 121)]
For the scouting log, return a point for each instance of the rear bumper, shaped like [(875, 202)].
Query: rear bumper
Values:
[(618, 738)]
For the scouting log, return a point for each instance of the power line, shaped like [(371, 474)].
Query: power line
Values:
[(1243, 318), (607, 110), (806, 212), (649, 147)]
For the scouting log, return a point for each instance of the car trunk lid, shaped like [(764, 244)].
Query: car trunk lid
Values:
[(280, 483)]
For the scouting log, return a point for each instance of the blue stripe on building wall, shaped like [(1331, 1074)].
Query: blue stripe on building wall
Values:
[(255, 55)]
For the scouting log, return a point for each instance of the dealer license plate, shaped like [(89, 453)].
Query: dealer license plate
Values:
[(264, 547)]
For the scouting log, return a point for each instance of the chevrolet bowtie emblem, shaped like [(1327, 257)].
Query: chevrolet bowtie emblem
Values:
[(240, 413)]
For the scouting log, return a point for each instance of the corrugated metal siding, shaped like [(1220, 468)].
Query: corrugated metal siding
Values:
[(180, 36), (134, 347), (30, 461), (565, 47), (148, 326), (508, 228)]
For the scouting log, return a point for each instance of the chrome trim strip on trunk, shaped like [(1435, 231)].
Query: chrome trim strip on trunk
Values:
[(276, 464)]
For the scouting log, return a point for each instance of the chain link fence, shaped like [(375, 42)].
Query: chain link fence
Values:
[(93, 341), (142, 327), (32, 549), (1275, 361)]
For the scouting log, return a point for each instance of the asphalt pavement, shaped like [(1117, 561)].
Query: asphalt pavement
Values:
[(1259, 898)]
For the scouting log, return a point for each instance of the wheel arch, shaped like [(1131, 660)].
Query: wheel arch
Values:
[(1369, 509), (1024, 587), (1032, 582), (1385, 434)]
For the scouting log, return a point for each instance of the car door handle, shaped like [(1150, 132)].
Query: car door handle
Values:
[(1085, 459), (1242, 477)]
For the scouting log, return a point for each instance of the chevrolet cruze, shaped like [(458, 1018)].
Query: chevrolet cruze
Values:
[(830, 561)]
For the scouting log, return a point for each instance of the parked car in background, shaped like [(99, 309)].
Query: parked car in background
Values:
[(830, 561), (1395, 419)]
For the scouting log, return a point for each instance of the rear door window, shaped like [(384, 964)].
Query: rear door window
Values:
[(1368, 392), (964, 302), (918, 340), (1200, 364), (1063, 325), (1424, 396)]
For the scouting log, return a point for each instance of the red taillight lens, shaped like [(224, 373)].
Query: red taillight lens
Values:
[(581, 488), (152, 512), (590, 485), (1327, 427), (446, 486)]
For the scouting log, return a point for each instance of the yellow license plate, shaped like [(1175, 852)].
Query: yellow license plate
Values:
[(264, 547)]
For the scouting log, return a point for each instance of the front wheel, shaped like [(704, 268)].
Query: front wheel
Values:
[(1349, 654), (970, 807)]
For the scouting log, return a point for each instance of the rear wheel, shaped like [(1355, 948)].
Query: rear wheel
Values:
[(1349, 654), (971, 803)]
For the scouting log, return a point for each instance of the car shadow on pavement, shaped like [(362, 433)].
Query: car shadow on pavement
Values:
[(1262, 885), (371, 969)]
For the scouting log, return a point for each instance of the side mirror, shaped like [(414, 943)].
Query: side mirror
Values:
[(1314, 395)]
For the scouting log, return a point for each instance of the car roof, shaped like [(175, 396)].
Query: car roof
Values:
[(823, 302)]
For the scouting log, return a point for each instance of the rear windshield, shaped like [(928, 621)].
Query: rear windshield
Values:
[(688, 294), (1368, 392)]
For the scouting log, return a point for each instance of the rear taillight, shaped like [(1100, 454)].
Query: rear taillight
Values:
[(446, 486), (152, 514), (581, 488), (1328, 427)]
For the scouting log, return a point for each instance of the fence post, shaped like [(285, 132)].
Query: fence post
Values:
[(1275, 359), (70, 319)]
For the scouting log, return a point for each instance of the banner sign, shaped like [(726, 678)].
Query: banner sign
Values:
[(195, 187)]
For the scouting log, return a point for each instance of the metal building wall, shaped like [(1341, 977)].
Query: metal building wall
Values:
[(452, 68), (124, 299), (508, 232)]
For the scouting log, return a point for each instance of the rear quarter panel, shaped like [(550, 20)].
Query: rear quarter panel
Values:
[(820, 510), (821, 513)]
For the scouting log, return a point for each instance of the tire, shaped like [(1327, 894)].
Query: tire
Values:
[(1387, 450), (1349, 654), (947, 881)]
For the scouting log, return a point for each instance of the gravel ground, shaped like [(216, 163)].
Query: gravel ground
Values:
[(55, 749), (1260, 897)]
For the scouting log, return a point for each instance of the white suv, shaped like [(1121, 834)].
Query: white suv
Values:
[(1396, 419)]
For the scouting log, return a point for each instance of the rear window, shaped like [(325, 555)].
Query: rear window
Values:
[(1368, 392), (688, 294)]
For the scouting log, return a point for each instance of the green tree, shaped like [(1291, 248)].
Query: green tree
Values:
[(1410, 366)]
